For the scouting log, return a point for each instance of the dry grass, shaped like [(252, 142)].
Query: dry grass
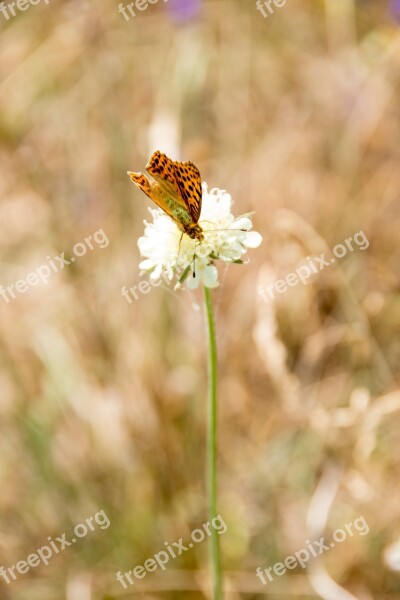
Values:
[(102, 402)]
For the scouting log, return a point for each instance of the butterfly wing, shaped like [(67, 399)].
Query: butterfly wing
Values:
[(184, 177), (189, 182), (141, 182), (144, 184)]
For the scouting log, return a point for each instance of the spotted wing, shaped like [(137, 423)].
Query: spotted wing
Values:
[(184, 177), (189, 182)]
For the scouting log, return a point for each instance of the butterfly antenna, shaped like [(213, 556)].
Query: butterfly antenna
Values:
[(194, 259), (216, 230)]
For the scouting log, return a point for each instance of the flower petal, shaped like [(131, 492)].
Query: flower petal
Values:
[(156, 273), (209, 276), (146, 265), (252, 239), (193, 282), (242, 223)]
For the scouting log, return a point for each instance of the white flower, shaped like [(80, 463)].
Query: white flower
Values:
[(168, 253)]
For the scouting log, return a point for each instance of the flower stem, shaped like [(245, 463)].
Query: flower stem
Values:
[(212, 445)]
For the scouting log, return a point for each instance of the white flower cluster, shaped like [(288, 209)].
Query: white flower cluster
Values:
[(167, 252)]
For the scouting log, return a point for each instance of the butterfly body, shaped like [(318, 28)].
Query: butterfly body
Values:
[(176, 188)]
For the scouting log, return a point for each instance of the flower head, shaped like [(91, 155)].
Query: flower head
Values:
[(168, 252)]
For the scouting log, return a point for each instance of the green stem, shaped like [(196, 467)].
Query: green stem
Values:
[(212, 445)]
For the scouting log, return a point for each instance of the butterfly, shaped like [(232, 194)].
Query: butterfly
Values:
[(176, 188)]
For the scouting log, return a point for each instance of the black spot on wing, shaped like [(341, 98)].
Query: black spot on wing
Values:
[(189, 181), (159, 164)]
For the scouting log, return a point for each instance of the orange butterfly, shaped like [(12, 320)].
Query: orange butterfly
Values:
[(176, 188)]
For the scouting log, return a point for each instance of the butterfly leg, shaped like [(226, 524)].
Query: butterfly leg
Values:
[(179, 245)]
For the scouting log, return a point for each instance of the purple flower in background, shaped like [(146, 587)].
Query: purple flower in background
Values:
[(394, 6), (183, 10)]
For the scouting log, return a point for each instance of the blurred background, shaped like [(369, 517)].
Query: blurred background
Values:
[(102, 401)]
